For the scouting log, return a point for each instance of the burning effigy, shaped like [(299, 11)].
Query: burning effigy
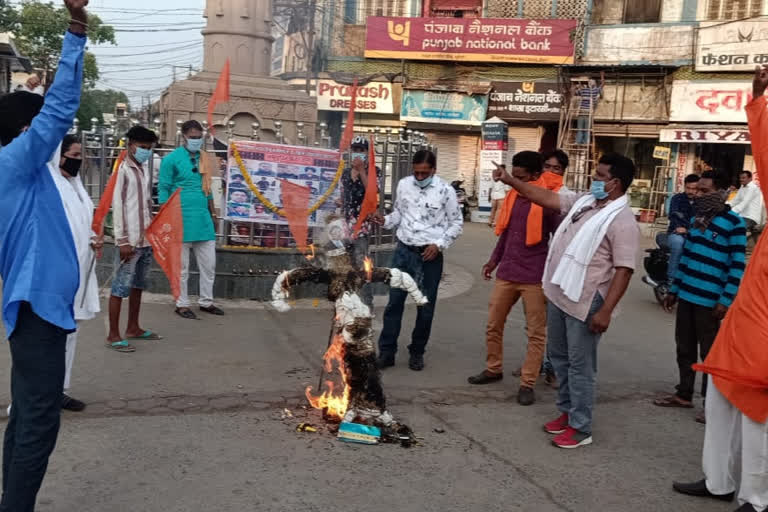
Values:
[(357, 395)]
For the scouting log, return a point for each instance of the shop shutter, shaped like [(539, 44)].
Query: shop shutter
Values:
[(523, 138), (469, 161), (447, 154)]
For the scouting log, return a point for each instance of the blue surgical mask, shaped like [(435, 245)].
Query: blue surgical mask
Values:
[(194, 145), (598, 190), (142, 155), (361, 156), (425, 182)]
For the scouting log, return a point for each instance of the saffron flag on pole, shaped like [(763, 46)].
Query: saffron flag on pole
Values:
[(296, 208), (220, 94), (371, 198), (349, 131), (106, 198), (166, 236)]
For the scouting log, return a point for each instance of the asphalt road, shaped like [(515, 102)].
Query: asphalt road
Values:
[(194, 422)]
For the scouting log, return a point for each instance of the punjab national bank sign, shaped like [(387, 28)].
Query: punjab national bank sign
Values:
[(471, 39)]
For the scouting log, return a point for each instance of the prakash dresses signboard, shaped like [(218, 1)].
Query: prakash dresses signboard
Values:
[(525, 100), (443, 107), (471, 39), (734, 46), (268, 165), (375, 97), (710, 101)]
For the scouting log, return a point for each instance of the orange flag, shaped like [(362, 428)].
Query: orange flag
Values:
[(220, 95), (106, 198), (166, 236), (296, 207), (371, 199), (349, 131)]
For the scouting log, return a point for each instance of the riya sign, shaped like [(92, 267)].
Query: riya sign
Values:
[(471, 39), (705, 135), (375, 97)]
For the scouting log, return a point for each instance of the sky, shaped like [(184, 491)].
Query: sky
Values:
[(152, 37)]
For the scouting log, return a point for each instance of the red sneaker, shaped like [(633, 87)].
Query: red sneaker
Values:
[(557, 426), (572, 438)]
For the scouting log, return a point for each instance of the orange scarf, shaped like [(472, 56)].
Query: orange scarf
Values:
[(534, 227), (552, 181)]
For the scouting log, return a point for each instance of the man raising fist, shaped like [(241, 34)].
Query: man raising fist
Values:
[(38, 292)]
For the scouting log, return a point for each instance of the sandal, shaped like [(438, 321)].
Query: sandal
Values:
[(186, 313), (121, 346), (672, 401), (148, 335)]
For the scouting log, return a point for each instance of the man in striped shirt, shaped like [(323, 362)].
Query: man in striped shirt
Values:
[(706, 281)]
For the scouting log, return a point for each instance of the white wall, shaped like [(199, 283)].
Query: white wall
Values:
[(638, 43)]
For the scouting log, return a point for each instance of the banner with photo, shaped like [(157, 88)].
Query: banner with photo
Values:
[(267, 165)]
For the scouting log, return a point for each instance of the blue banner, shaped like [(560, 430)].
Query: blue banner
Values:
[(443, 107)]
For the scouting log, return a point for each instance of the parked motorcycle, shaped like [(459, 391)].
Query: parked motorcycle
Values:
[(461, 196), (656, 263)]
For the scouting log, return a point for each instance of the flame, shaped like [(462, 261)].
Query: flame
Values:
[(311, 255), (334, 402), (368, 265)]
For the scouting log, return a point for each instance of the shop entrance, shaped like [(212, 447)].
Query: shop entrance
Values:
[(726, 158)]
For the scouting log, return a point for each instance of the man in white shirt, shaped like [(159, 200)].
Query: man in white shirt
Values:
[(428, 219), (498, 192), (749, 202)]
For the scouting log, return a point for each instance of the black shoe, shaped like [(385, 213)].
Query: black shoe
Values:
[(525, 396), (71, 404), (385, 361), (485, 377), (746, 508), (213, 310), (700, 489), (416, 362)]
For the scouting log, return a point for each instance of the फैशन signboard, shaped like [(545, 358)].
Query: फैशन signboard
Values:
[(735, 46), (267, 165), (529, 41)]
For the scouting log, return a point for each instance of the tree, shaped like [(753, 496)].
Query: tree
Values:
[(97, 102), (39, 29)]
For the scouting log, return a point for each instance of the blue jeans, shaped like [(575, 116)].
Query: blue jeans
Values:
[(582, 130), (572, 348), (676, 243), (427, 275), (37, 384), (132, 273)]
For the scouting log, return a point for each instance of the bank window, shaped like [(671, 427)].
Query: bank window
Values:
[(356, 11), (733, 9)]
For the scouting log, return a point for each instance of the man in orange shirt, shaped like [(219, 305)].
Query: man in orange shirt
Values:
[(735, 457)]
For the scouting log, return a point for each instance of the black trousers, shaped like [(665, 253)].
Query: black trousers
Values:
[(695, 332), (37, 380)]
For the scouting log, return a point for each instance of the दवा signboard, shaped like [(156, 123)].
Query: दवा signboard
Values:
[(735, 46), (471, 39), (710, 101), (269, 164), (443, 107), (374, 97), (525, 100), (736, 135)]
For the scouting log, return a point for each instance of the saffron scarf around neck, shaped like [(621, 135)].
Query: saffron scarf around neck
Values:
[(534, 227)]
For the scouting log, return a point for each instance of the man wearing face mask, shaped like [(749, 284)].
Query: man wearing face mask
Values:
[(191, 169), (131, 213), (38, 266), (591, 260), (706, 281), (428, 219), (354, 181)]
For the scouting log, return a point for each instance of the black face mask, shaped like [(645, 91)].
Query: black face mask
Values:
[(72, 166)]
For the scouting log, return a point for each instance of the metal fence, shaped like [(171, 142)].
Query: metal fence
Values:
[(393, 148)]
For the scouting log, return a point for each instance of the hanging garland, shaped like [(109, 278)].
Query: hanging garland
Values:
[(271, 206)]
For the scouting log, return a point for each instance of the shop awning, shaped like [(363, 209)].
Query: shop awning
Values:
[(640, 131), (449, 86), (8, 51)]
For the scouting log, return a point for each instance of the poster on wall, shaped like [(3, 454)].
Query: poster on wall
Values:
[(268, 165), (485, 175), (443, 107)]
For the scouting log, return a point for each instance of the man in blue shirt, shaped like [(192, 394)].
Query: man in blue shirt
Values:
[(38, 266), (680, 215), (706, 281), (589, 95)]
